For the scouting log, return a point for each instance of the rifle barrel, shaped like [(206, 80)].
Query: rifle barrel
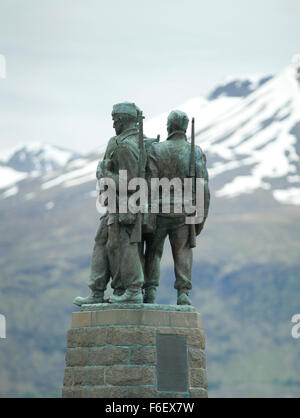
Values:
[(192, 160), (136, 234), (192, 175)]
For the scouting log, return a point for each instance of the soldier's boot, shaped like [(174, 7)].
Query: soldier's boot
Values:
[(149, 295), (119, 292), (183, 298), (94, 297), (129, 296)]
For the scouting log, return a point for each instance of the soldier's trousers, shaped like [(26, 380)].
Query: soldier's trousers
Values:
[(178, 233), (100, 272), (124, 257)]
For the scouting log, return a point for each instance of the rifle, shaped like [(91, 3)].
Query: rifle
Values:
[(192, 176), (136, 235)]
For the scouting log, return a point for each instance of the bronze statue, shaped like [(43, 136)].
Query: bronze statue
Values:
[(119, 252), (172, 159), (114, 255)]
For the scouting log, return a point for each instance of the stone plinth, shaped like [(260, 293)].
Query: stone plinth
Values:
[(133, 351)]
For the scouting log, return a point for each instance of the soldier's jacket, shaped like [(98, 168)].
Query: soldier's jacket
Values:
[(171, 159), (122, 153)]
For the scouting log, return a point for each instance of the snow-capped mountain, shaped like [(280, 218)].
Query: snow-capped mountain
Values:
[(31, 160), (249, 128), (37, 157), (255, 144)]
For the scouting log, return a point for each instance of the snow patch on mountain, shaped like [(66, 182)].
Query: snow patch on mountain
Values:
[(74, 177), (288, 196), (246, 183), (293, 179), (49, 205), (9, 177), (10, 192), (29, 196)]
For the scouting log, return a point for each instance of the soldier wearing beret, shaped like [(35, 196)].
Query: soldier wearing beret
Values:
[(114, 255)]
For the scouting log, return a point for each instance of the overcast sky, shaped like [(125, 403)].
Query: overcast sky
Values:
[(69, 61)]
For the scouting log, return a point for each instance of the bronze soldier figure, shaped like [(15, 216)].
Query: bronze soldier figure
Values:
[(113, 254), (123, 249), (171, 159)]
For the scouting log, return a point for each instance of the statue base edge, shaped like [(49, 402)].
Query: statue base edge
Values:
[(137, 306)]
